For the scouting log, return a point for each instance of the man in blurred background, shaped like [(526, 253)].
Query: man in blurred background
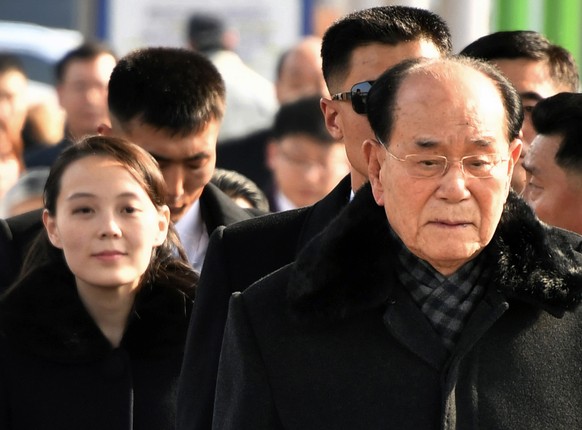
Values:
[(250, 98), (298, 74), (307, 163), (536, 68), (81, 83)]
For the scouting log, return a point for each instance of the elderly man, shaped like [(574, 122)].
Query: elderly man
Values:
[(554, 162), (433, 300)]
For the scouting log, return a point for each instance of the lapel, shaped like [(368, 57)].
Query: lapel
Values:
[(218, 209)]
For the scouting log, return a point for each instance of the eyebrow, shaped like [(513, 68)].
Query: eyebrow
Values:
[(195, 157), (531, 95), (84, 195), (529, 168)]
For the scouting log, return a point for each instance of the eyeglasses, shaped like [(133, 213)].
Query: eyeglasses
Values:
[(431, 166), (357, 95), (302, 164)]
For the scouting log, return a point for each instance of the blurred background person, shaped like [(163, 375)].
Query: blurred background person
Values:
[(11, 165), (241, 189), (306, 161), (536, 68), (554, 162), (250, 97), (82, 76), (44, 126), (26, 194), (13, 107), (299, 71), (298, 74)]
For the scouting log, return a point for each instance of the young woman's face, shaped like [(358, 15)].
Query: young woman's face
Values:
[(105, 223)]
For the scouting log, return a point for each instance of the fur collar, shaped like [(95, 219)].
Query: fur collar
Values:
[(43, 314), (347, 269)]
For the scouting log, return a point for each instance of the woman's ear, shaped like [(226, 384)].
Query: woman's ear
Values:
[(163, 225), (375, 154), (50, 224)]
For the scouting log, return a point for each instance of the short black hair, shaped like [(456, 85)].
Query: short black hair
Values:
[(302, 116), (205, 32), (173, 89), (84, 52), (528, 45), (389, 25), (236, 185), (383, 95), (561, 115), (10, 62)]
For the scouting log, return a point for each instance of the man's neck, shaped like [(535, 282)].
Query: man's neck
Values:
[(358, 180)]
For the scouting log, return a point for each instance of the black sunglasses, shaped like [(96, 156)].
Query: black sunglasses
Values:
[(357, 95)]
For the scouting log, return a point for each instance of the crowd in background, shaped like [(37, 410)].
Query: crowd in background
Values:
[(217, 179)]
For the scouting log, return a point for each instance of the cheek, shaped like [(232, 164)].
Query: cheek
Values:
[(404, 204), (196, 180)]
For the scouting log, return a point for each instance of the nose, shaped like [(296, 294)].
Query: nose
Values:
[(313, 172), (109, 226), (174, 177), (453, 184), (96, 95)]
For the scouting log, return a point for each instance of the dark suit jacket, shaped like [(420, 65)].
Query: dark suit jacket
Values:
[(238, 256), (17, 233)]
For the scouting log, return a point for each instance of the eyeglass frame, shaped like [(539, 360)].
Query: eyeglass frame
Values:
[(448, 163), (356, 96)]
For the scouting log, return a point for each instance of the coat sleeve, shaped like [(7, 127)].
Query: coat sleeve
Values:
[(4, 395), (243, 395), (202, 352)]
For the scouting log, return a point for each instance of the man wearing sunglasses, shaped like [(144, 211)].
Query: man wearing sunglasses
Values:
[(355, 50)]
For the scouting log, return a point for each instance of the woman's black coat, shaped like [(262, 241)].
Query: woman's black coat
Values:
[(58, 371)]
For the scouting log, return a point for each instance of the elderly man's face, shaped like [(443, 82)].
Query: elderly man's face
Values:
[(448, 219)]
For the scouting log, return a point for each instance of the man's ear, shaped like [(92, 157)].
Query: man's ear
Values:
[(104, 129), (515, 149), (50, 224), (163, 225), (375, 155), (271, 153), (332, 118)]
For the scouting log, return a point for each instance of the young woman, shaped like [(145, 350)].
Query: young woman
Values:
[(92, 333)]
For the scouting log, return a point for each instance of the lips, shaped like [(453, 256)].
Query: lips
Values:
[(451, 223), (109, 254)]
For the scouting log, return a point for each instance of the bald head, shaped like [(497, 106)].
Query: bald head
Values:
[(299, 72)]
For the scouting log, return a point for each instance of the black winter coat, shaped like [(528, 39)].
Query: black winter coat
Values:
[(58, 371), (333, 341)]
